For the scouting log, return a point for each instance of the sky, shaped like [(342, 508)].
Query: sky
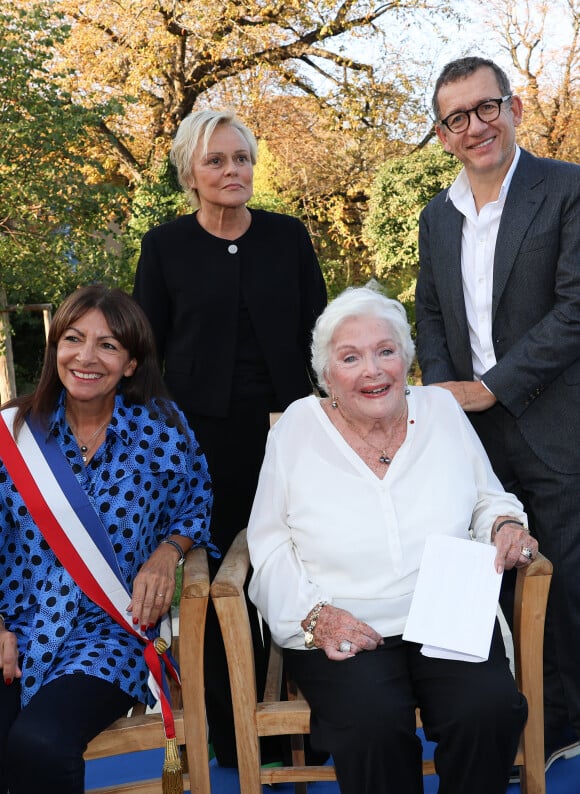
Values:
[(424, 51)]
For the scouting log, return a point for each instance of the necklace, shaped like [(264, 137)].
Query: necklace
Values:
[(85, 446), (383, 457)]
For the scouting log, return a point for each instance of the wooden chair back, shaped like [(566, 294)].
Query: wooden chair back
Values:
[(273, 716), (141, 731)]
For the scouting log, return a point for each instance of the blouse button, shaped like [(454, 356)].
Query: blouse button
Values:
[(232, 249)]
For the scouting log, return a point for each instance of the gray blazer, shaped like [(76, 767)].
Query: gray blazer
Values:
[(536, 306)]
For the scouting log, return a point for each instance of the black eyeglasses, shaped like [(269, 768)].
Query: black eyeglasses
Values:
[(488, 110)]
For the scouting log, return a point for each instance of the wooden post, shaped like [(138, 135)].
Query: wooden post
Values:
[(47, 317), (7, 376)]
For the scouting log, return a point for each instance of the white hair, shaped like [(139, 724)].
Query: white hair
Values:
[(358, 302)]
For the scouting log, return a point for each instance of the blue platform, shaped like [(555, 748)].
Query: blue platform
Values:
[(563, 777)]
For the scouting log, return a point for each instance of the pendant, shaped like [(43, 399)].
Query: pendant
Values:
[(84, 449), (385, 459)]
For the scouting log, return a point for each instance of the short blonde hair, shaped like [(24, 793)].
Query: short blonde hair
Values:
[(358, 302), (199, 126)]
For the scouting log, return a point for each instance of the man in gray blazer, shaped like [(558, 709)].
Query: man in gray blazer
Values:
[(498, 324)]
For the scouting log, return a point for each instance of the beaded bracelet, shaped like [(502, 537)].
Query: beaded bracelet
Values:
[(176, 545), (312, 618)]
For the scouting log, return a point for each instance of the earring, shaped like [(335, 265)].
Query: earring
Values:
[(407, 390), (334, 402)]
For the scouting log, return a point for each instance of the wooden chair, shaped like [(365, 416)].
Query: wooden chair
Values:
[(142, 731), (273, 716)]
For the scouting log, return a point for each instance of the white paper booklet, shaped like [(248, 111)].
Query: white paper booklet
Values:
[(455, 601)]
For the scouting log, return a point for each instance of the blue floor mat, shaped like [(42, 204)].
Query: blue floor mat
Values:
[(563, 776)]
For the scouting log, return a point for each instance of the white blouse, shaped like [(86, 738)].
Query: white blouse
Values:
[(324, 527)]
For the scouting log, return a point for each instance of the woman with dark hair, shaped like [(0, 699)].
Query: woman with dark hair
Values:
[(108, 451)]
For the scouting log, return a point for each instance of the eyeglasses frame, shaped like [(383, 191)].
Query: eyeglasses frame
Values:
[(500, 101)]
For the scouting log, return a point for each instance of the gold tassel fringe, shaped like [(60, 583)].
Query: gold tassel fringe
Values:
[(172, 777)]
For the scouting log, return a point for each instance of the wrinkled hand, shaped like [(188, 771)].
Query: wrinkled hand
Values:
[(509, 542), (9, 656), (335, 625), (154, 587), (470, 394)]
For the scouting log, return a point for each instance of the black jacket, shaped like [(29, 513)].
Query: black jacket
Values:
[(189, 282)]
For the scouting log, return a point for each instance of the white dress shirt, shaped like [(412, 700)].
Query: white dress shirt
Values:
[(478, 241), (324, 527)]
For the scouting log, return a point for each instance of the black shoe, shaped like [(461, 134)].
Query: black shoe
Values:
[(567, 747), (570, 750)]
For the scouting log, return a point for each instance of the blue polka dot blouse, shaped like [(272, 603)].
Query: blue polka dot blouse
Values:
[(147, 481)]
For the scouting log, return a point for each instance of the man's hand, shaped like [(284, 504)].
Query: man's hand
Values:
[(470, 394)]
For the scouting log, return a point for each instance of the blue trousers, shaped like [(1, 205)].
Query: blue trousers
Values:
[(42, 745), (363, 713)]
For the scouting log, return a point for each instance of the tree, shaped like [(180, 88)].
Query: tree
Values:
[(323, 172), (163, 58), (170, 56), (403, 186), (53, 212), (542, 41)]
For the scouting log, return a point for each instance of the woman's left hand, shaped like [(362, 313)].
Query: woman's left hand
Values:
[(154, 587), (336, 626), (9, 655), (515, 546)]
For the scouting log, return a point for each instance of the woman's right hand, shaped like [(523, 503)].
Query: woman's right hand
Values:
[(9, 655), (335, 626)]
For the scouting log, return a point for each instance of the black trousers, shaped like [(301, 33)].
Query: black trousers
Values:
[(552, 501), (234, 449), (363, 713), (42, 745)]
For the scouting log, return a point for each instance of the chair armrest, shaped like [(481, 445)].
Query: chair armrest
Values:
[(531, 597), (195, 574), (227, 594), (192, 612), (531, 594), (541, 566), (233, 571)]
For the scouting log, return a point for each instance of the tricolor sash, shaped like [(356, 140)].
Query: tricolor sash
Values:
[(70, 525)]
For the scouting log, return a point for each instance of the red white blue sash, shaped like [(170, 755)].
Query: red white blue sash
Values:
[(69, 523)]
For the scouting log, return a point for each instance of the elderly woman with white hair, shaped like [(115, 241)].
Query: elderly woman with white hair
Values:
[(351, 487), (232, 294)]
